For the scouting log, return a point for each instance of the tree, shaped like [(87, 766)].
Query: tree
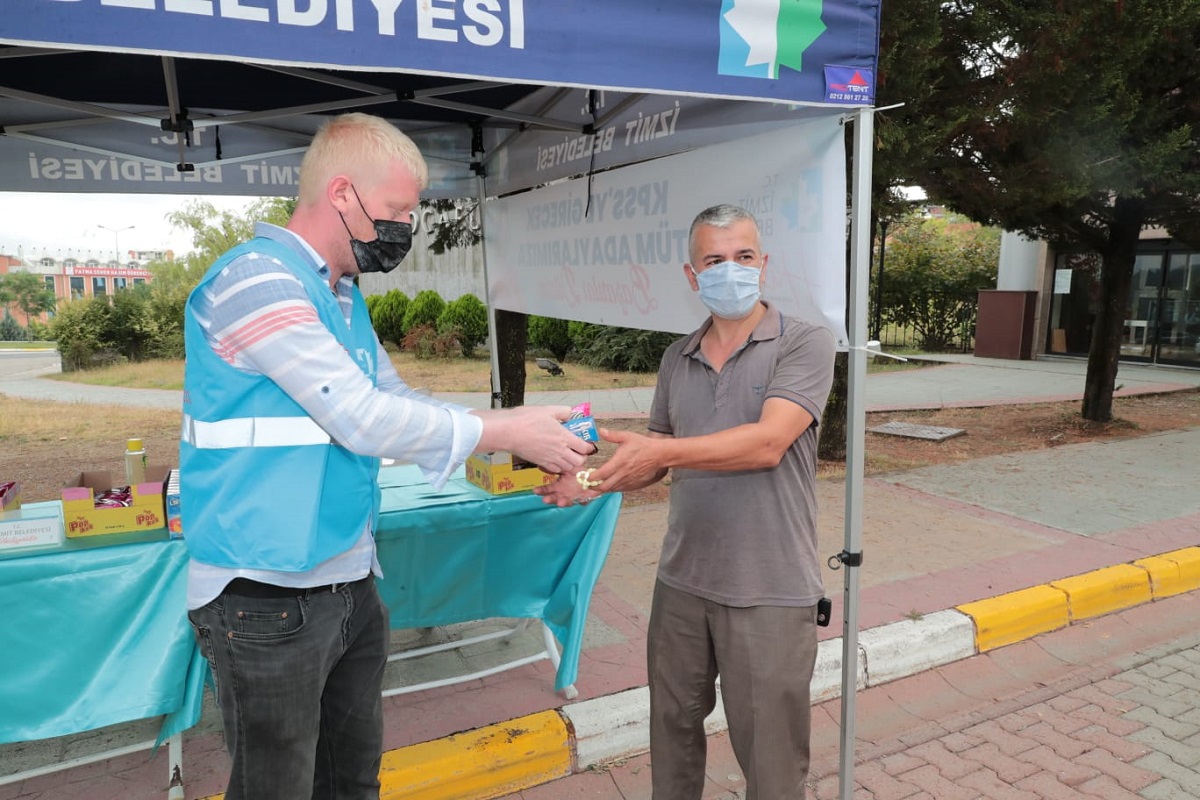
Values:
[(552, 334), (214, 232), (934, 279), (424, 309), (26, 291), (1075, 123), (387, 315), (910, 59), (457, 224), (466, 318), (461, 229)]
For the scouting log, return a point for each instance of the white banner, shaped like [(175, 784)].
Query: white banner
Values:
[(618, 260)]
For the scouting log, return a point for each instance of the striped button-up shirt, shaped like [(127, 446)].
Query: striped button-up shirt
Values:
[(258, 318)]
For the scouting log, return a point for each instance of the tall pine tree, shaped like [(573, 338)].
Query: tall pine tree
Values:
[(1075, 123)]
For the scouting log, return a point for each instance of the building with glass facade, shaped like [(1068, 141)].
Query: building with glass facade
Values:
[(1062, 290)]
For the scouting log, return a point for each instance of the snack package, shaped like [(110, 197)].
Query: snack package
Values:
[(117, 497), (581, 423)]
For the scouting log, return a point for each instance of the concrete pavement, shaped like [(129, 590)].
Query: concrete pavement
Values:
[(951, 381), (1106, 709), (962, 561)]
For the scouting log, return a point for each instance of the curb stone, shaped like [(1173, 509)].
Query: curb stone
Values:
[(522, 753)]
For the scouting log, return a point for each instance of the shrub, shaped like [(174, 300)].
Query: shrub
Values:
[(621, 349), (80, 327), (370, 301), (466, 318), (932, 279), (11, 330), (164, 308), (38, 332), (387, 315), (424, 341), (548, 333), (424, 309), (131, 330)]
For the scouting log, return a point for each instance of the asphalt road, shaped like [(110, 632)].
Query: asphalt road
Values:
[(25, 364)]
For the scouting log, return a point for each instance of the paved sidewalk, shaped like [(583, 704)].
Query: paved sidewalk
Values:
[(952, 381), (938, 543), (1104, 710)]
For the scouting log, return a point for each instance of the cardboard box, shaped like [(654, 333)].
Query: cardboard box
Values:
[(500, 473), (32, 525), (11, 499), (82, 518), (174, 520)]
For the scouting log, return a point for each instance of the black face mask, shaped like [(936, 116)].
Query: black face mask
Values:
[(392, 242)]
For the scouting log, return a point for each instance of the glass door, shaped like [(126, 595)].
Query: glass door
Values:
[(1141, 312), (1178, 339)]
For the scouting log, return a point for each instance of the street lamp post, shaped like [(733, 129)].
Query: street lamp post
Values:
[(116, 232)]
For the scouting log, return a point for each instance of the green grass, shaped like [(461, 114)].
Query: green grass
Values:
[(28, 345), (437, 375)]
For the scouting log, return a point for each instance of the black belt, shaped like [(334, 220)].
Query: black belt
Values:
[(244, 587)]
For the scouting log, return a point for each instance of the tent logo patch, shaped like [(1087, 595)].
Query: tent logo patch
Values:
[(760, 36), (849, 85)]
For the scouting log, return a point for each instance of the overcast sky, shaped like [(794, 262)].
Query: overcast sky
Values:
[(61, 224)]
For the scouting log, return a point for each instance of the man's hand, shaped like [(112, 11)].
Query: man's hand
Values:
[(566, 491), (535, 434), (634, 464)]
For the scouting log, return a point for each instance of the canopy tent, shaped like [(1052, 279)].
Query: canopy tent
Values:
[(222, 96)]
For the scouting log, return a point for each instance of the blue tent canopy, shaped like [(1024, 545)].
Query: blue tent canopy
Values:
[(175, 85)]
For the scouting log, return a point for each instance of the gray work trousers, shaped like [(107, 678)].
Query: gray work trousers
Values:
[(765, 657)]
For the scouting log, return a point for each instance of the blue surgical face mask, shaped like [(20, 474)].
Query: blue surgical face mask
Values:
[(729, 290)]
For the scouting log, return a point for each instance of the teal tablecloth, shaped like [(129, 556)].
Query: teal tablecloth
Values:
[(93, 636), (462, 554)]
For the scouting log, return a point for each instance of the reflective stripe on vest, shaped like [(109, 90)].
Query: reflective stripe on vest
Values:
[(253, 432)]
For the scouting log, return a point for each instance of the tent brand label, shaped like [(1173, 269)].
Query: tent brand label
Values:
[(849, 85), (760, 36), (485, 23)]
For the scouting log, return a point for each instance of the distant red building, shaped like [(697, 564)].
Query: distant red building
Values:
[(72, 277)]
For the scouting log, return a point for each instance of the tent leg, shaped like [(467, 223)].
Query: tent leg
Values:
[(175, 767), (860, 245), (487, 301)]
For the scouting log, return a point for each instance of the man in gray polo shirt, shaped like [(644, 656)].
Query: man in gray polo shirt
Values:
[(735, 417)]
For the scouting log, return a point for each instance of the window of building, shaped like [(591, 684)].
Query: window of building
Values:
[(1076, 298), (99, 287), (118, 284), (1162, 314), (76, 287)]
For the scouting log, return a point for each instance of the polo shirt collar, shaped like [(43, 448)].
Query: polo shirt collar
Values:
[(769, 327)]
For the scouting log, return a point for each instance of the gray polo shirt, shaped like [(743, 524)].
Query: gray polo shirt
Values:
[(749, 537)]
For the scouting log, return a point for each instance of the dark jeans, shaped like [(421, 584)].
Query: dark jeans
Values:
[(298, 681)]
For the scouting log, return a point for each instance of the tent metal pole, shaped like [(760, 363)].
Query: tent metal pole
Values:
[(860, 252), (487, 301)]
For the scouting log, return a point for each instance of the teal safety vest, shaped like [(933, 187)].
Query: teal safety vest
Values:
[(262, 485)]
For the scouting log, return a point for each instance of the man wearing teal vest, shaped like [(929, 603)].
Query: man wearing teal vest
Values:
[(290, 401)]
